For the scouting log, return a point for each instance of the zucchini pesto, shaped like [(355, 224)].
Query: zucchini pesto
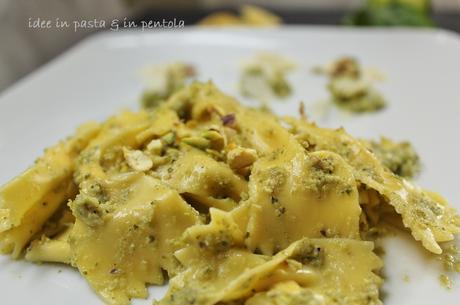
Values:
[(232, 205)]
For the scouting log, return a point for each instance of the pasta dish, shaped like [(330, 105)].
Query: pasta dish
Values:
[(231, 205)]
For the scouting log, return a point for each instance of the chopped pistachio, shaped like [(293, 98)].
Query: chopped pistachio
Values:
[(159, 160), (244, 171), (346, 66), (211, 135), (215, 154), (137, 160), (216, 138), (230, 135), (198, 142), (229, 119), (215, 109), (87, 209), (241, 157), (169, 138), (155, 147)]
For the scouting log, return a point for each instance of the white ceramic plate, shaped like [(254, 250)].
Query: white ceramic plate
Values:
[(101, 75)]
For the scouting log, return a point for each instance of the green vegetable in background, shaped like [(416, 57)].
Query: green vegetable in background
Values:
[(423, 6), (392, 13)]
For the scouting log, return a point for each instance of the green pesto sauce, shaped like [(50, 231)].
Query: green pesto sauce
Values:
[(309, 254), (400, 157), (350, 90), (265, 77), (175, 76), (277, 83), (322, 177), (216, 241), (369, 102), (445, 281), (450, 258), (151, 99), (88, 210)]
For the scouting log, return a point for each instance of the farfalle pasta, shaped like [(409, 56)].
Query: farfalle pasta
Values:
[(232, 205)]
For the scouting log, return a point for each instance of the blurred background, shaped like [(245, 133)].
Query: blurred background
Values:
[(26, 43)]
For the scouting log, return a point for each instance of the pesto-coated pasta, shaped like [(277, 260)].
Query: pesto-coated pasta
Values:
[(232, 205)]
